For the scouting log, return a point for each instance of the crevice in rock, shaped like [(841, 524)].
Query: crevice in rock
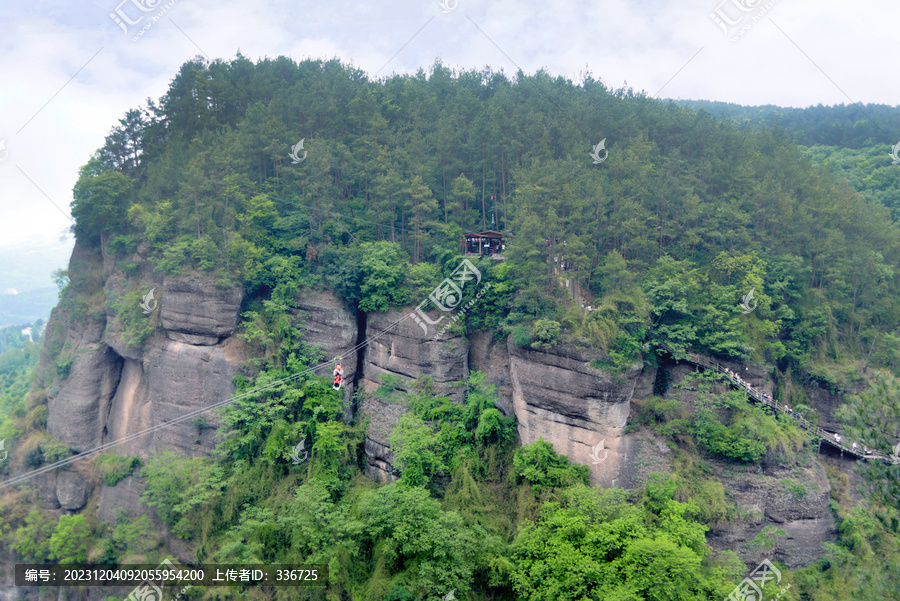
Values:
[(663, 379), (360, 350), (120, 362)]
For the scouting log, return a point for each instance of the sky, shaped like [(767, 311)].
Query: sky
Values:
[(70, 69)]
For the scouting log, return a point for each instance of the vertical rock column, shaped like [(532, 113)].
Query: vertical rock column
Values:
[(406, 351), (558, 396)]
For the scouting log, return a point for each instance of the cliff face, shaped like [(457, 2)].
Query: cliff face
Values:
[(115, 389), (573, 406), (111, 389), (329, 325), (406, 352), (790, 502)]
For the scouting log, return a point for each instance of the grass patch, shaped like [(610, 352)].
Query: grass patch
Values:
[(113, 468)]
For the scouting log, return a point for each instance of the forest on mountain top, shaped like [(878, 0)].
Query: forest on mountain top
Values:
[(664, 239), (685, 216)]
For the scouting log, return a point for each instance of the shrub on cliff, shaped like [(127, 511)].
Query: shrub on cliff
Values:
[(539, 465)]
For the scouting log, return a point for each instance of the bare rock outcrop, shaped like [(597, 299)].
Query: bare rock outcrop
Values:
[(491, 357), (46, 485), (77, 409), (331, 326), (124, 497), (72, 490), (826, 402), (558, 396), (787, 510), (397, 346), (194, 310), (404, 350), (173, 378), (108, 389)]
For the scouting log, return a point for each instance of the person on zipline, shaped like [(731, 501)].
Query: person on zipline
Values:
[(338, 376)]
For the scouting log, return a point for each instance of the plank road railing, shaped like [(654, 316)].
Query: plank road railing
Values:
[(834, 440)]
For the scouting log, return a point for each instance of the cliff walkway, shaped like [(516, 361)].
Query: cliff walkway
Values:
[(824, 437)]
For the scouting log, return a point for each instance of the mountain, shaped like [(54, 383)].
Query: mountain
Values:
[(27, 290), (583, 410), (853, 126)]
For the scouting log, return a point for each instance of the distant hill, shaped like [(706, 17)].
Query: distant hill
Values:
[(849, 126), (27, 307), (27, 291)]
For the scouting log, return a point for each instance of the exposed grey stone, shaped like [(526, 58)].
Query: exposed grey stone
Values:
[(643, 388), (491, 357), (826, 402), (329, 325), (404, 350), (46, 484), (125, 496), (195, 305), (76, 412), (559, 397), (765, 500), (194, 339), (174, 378), (72, 490)]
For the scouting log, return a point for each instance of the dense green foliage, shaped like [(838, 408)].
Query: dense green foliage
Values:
[(539, 465), (114, 467), (683, 220), (871, 418), (663, 242), (18, 358), (595, 545), (722, 422), (870, 170), (846, 126)]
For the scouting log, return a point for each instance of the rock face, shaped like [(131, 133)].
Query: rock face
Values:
[(580, 410), (114, 389), (196, 311), (827, 402), (71, 490), (173, 378), (770, 496), (491, 357), (102, 389), (791, 500), (331, 326), (77, 410), (403, 350)]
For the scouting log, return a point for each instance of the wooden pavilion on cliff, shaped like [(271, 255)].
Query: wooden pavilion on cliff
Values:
[(488, 243)]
